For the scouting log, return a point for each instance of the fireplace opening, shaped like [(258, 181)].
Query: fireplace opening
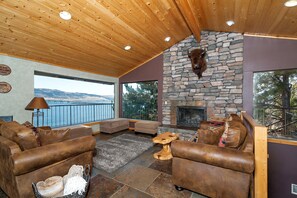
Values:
[(190, 116)]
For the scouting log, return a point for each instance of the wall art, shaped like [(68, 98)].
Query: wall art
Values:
[(4, 70), (5, 87)]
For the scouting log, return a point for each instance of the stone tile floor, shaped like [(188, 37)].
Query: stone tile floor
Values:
[(142, 177)]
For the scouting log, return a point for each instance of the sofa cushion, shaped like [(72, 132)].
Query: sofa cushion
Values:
[(20, 134), (52, 136), (210, 135), (8, 129), (77, 131)]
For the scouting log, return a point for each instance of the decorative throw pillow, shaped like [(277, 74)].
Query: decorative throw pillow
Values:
[(234, 135), (26, 140), (207, 124), (217, 119), (211, 135), (222, 141), (234, 117), (52, 136), (31, 126), (28, 124), (238, 125)]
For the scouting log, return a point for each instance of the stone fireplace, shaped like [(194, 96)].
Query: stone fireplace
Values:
[(195, 106), (190, 116), (219, 91)]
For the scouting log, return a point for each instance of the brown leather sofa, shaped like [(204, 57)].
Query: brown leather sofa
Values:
[(20, 167), (212, 170)]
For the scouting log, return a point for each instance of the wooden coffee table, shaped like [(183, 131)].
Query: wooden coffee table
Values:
[(165, 139)]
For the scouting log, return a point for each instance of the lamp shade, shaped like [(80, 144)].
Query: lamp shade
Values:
[(37, 103)]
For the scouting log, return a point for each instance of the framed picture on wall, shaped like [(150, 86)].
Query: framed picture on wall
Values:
[(6, 118), (5, 87)]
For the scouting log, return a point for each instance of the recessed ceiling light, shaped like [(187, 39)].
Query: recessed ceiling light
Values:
[(167, 39), (230, 23), (65, 15), (128, 47), (291, 3)]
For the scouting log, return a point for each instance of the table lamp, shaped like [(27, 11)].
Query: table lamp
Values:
[(37, 103)]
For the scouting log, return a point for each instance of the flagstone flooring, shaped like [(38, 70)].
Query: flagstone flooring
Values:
[(143, 177)]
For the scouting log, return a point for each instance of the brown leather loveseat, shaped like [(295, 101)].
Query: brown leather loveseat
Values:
[(23, 161), (212, 170)]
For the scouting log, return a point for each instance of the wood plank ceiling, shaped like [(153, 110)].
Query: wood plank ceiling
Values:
[(93, 40)]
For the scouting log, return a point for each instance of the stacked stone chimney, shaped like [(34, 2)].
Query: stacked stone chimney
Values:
[(220, 88)]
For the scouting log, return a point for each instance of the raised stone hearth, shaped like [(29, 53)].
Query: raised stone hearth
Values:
[(220, 88)]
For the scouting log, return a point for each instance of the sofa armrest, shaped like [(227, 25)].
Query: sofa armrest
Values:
[(214, 155), (36, 158), (9, 147)]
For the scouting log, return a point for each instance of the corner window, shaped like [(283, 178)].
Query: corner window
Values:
[(275, 102), (139, 100)]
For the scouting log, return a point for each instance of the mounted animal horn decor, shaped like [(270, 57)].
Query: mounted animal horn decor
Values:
[(198, 61)]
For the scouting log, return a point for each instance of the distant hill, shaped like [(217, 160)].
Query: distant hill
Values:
[(58, 95)]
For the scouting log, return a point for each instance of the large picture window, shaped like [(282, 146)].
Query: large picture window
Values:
[(275, 102), (140, 100), (73, 101)]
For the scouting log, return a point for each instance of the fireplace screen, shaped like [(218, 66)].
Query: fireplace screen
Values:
[(190, 116)]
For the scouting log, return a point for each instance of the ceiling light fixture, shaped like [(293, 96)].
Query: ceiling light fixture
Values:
[(291, 3), (128, 47), (230, 23), (167, 39), (65, 15)]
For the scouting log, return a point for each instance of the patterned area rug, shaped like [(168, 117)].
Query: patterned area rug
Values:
[(118, 151)]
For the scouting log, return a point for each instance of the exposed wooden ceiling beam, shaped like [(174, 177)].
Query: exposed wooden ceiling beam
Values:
[(191, 20)]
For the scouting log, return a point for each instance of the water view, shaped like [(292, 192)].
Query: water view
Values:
[(72, 114), (73, 101)]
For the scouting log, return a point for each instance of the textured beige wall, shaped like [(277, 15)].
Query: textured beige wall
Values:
[(22, 81)]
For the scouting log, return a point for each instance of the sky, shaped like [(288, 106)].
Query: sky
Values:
[(72, 85), (134, 85)]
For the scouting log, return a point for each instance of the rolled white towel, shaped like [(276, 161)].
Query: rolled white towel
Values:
[(50, 187), (74, 184), (75, 170)]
